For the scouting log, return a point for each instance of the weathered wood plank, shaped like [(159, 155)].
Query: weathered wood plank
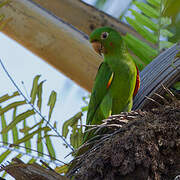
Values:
[(83, 16), (52, 39), (159, 71)]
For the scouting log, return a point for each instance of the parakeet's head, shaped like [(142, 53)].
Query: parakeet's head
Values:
[(105, 40)]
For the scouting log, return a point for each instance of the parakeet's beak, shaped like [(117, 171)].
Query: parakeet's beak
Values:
[(97, 46)]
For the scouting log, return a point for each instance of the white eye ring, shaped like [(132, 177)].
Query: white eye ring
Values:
[(104, 35)]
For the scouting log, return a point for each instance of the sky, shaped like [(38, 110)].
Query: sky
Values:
[(23, 66)]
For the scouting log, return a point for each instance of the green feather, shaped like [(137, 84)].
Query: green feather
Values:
[(99, 91)]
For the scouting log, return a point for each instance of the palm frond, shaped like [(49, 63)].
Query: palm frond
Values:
[(152, 26), (30, 132)]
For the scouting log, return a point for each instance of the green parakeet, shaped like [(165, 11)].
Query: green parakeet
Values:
[(117, 79)]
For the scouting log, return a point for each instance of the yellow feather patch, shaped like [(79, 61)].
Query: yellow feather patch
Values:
[(110, 80)]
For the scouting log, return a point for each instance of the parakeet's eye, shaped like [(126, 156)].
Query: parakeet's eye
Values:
[(104, 35)]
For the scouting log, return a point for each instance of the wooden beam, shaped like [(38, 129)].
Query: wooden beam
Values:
[(52, 39), (83, 16)]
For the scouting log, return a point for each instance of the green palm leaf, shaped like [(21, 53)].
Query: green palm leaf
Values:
[(18, 119)]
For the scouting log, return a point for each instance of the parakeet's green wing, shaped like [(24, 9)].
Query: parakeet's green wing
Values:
[(100, 89)]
